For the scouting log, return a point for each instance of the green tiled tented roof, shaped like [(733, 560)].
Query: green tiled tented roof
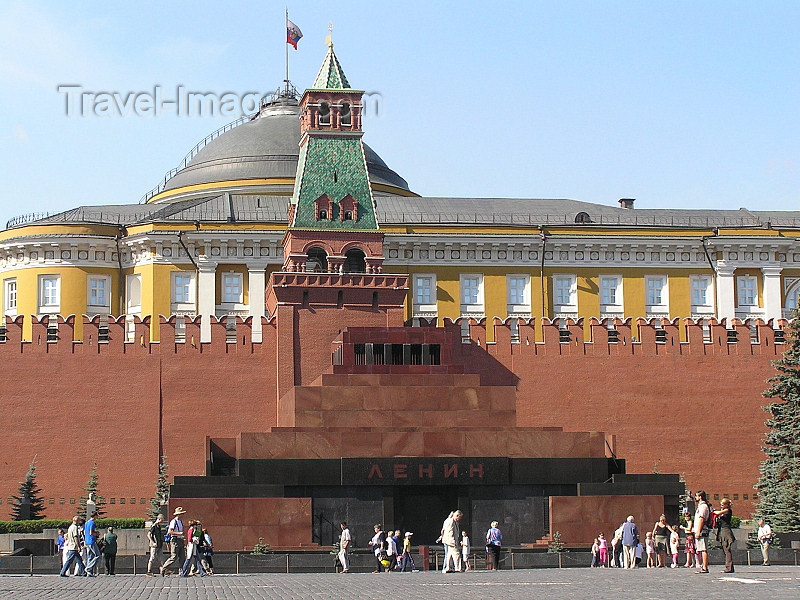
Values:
[(335, 167), (331, 76)]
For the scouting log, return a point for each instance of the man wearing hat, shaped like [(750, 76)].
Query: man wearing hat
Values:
[(405, 559), (177, 544)]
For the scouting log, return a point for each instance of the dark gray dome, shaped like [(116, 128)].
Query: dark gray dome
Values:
[(263, 148)]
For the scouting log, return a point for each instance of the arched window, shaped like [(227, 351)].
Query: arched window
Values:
[(322, 215), (348, 215), (583, 217), (324, 113), (344, 113), (354, 261), (317, 261)]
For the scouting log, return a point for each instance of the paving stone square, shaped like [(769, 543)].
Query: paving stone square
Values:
[(776, 583)]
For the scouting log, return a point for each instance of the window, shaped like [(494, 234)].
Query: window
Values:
[(472, 293), (518, 293), (98, 294), (610, 293), (424, 289), (182, 288), (49, 294), (344, 112), (656, 291), (747, 290), (702, 295), (517, 286), (700, 290), (10, 297), (424, 294), (565, 291), (232, 288), (324, 113)]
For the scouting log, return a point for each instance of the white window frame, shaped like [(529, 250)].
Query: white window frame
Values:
[(231, 300), (94, 307), (660, 304), (424, 304), (10, 297), (746, 285), (472, 305), (49, 294), (607, 303), (182, 302), (519, 285), (562, 282), (696, 284)]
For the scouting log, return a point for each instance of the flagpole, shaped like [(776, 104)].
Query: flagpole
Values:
[(286, 44)]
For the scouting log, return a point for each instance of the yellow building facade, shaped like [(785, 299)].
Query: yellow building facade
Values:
[(205, 241)]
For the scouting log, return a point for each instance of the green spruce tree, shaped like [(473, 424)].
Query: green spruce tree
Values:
[(29, 504), (91, 488), (779, 484), (162, 490)]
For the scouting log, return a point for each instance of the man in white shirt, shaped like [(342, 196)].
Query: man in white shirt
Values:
[(391, 551), (177, 543), (765, 539), (344, 545), (72, 544)]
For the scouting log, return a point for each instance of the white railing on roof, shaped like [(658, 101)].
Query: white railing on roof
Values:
[(569, 219), (288, 92), (192, 153), (28, 218)]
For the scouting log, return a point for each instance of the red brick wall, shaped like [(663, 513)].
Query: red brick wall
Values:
[(72, 405), (692, 408)]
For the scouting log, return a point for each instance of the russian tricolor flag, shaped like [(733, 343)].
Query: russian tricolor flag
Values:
[(293, 34)]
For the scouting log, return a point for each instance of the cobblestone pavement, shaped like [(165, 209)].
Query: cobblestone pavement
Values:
[(775, 583)]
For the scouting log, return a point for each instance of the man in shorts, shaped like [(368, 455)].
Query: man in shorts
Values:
[(701, 516)]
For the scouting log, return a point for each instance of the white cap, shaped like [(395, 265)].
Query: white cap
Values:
[(408, 533)]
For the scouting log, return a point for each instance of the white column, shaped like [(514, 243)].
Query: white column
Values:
[(257, 285), (772, 294), (206, 296), (726, 304)]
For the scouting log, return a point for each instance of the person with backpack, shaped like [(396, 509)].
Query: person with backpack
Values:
[(702, 516), (176, 542)]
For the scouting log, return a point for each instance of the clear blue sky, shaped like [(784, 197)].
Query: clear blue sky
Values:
[(677, 104)]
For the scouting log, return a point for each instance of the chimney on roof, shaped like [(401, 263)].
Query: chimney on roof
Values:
[(626, 202)]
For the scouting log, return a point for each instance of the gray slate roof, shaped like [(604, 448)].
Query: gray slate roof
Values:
[(264, 148), (396, 210)]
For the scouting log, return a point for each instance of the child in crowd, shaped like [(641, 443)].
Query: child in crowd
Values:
[(691, 557), (674, 544), (602, 546), (465, 550), (595, 554), (650, 546)]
